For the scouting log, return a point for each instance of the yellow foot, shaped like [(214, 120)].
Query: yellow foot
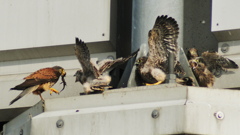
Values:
[(53, 90), (149, 84)]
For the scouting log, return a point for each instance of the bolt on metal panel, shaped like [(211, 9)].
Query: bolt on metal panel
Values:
[(177, 110), (229, 48), (108, 122)]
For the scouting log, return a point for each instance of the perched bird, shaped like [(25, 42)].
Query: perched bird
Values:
[(187, 81), (162, 40), (40, 81), (93, 75), (204, 77), (214, 62), (208, 65)]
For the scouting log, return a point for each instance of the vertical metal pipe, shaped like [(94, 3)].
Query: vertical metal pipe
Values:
[(171, 63), (171, 76)]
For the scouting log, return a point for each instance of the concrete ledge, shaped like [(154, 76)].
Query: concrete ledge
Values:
[(162, 109)]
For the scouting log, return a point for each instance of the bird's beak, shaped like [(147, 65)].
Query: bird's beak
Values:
[(193, 63), (137, 63), (63, 73)]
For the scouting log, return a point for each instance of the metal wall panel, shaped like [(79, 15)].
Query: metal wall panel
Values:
[(34, 23), (225, 19), (225, 15)]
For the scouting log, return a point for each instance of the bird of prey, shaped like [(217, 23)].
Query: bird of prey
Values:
[(162, 40), (204, 77), (187, 81), (214, 62), (95, 76), (40, 81)]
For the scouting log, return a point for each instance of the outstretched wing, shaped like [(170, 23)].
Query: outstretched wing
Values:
[(83, 56), (162, 41), (226, 63), (214, 61), (109, 64), (163, 38), (169, 30)]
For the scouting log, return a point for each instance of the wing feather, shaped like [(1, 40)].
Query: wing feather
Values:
[(45, 73), (169, 31), (83, 56), (111, 64), (32, 82), (162, 40), (214, 61)]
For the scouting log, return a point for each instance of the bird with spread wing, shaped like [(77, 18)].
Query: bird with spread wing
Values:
[(40, 81), (95, 76), (162, 40), (208, 65)]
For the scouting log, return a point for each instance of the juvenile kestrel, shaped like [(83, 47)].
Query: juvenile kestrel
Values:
[(213, 61), (95, 76), (162, 40)]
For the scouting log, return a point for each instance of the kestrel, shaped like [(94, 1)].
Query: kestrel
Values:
[(40, 81), (162, 40), (95, 76)]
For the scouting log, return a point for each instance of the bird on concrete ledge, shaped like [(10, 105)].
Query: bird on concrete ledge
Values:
[(208, 65), (40, 81), (162, 40), (95, 76)]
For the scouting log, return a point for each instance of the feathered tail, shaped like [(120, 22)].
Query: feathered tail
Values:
[(23, 93)]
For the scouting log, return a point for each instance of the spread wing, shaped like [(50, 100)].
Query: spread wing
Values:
[(109, 64), (226, 63), (162, 40), (215, 61), (168, 30), (83, 56)]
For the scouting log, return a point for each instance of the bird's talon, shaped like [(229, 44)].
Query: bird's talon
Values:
[(53, 90)]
